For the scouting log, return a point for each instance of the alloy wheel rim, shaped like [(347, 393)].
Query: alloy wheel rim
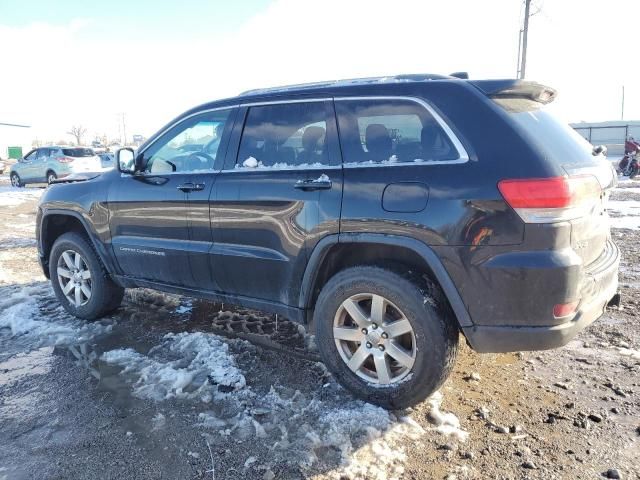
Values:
[(14, 180), (51, 178), (74, 278), (374, 338)]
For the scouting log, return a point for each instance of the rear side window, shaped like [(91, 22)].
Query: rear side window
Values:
[(78, 152), (391, 131), (290, 135), (560, 143)]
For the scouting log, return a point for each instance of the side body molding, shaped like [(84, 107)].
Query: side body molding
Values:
[(428, 255)]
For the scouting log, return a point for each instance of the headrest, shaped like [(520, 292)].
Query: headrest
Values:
[(429, 135), (311, 136), (377, 139)]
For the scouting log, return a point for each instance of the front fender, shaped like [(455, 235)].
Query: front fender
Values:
[(86, 202)]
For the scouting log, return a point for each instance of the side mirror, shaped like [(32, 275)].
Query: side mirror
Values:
[(127, 161), (599, 150)]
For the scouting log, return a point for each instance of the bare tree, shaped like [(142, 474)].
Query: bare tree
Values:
[(77, 132)]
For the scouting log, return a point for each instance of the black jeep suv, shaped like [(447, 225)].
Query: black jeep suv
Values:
[(390, 214)]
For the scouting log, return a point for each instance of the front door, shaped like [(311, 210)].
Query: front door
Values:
[(150, 211), (275, 199), (36, 165)]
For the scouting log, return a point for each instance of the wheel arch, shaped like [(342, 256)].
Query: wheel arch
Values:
[(337, 252), (54, 223)]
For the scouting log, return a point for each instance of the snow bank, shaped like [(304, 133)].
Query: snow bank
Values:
[(186, 365), (19, 313), (11, 197)]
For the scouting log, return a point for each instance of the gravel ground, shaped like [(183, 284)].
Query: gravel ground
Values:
[(171, 387)]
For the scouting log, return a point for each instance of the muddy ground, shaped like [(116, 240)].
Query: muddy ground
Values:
[(164, 388)]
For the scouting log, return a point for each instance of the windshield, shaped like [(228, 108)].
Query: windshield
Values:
[(78, 152), (558, 140)]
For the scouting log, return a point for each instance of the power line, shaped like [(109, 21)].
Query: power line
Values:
[(14, 125)]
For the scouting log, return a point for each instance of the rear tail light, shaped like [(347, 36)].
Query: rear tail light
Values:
[(555, 199), (563, 310), (64, 159)]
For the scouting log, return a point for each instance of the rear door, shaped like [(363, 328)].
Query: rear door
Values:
[(151, 212), (276, 198)]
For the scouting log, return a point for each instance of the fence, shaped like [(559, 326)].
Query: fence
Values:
[(611, 136)]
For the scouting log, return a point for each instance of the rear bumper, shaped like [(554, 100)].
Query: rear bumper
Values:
[(599, 287)]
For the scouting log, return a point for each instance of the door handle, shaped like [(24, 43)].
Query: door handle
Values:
[(191, 187), (322, 183)]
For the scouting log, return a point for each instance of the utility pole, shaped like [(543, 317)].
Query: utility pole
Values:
[(525, 34), (124, 131), (622, 113)]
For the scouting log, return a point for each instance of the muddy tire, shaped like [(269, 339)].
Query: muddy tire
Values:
[(386, 336), (15, 180), (79, 279)]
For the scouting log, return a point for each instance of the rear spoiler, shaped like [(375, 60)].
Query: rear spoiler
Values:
[(516, 89)]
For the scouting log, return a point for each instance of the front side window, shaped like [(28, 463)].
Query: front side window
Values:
[(290, 135), (42, 154), (190, 146), (390, 131)]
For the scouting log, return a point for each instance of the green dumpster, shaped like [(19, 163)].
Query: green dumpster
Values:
[(14, 152)]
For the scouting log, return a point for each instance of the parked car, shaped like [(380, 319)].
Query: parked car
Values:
[(390, 215), (107, 159), (46, 164)]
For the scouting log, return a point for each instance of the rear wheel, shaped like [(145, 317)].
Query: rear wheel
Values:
[(383, 337), (51, 176), (79, 280), (15, 180)]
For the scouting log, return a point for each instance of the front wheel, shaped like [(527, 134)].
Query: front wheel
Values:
[(15, 180), (388, 338), (79, 280)]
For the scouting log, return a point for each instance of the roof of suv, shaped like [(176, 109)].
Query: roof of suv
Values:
[(414, 77)]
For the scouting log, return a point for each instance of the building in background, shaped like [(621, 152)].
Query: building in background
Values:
[(15, 140), (611, 134)]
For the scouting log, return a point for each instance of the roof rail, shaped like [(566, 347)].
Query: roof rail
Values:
[(413, 77)]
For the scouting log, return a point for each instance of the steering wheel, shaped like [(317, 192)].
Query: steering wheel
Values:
[(198, 163)]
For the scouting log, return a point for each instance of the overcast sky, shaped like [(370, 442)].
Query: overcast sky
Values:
[(79, 62)]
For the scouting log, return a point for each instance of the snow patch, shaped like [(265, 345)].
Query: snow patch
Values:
[(627, 352), (184, 309), (12, 197), (158, 422), (254, 163), (185, 365), (445, 423), (627, 213), (20, 314)]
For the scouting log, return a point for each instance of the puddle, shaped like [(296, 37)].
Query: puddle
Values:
[(36, 362)]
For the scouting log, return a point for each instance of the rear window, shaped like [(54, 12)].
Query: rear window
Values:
[(78, 152), (559, 141)]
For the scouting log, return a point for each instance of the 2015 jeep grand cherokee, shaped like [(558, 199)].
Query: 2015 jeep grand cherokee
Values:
[(390, 214)]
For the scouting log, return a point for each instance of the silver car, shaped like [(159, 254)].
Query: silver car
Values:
[(45, 164)]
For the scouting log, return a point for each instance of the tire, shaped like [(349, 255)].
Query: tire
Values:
[(104, 295), (15, 180), (51, 176), (432, 342)]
